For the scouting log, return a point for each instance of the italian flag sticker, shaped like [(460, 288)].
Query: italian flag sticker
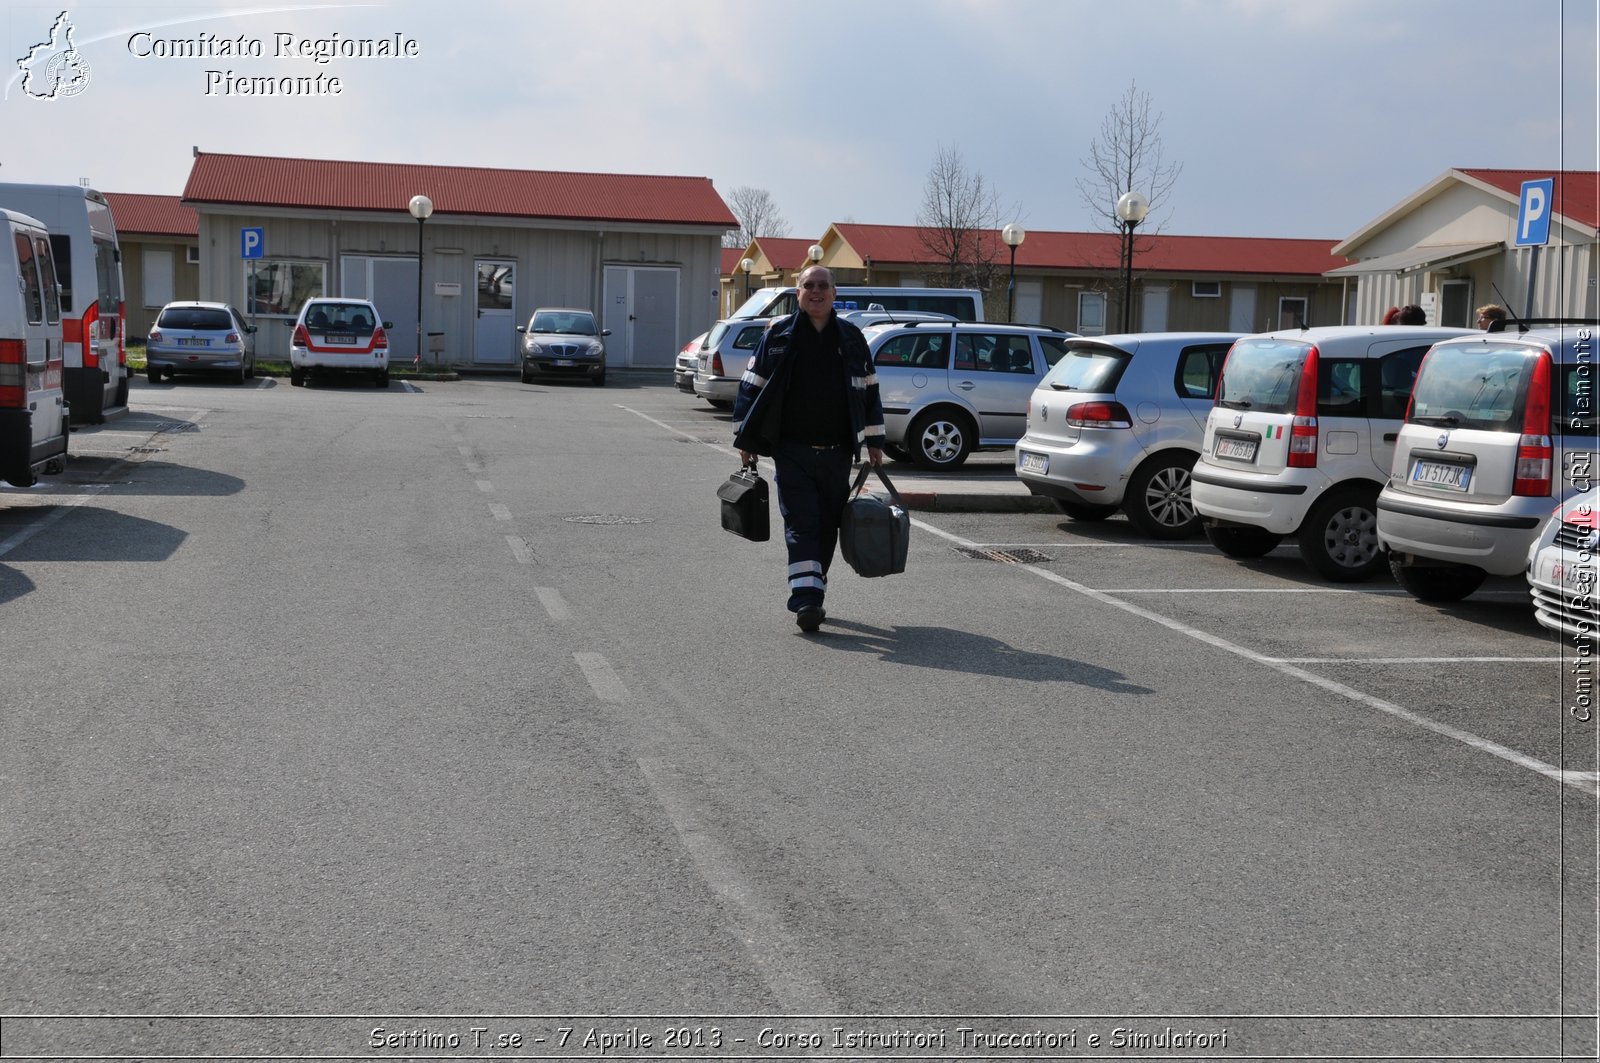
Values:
[(1275, 432)]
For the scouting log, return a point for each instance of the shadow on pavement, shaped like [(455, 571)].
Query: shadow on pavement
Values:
[(13, 584), (963, 651), (94, 534)]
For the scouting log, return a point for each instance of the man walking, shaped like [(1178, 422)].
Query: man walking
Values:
[(810, 401)]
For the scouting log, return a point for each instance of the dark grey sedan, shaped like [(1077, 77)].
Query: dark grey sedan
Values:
[(563, 341)]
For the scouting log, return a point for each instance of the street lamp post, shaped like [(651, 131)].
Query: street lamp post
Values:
[(1131, 209), (420, 207), (1013, 235), (747, 264)]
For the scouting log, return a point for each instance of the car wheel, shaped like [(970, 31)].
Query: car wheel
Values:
[(896, 452), (239, 376), (1339, 538), (527, 377), (122, 393), (599, 380), (297, 376), (940, 440), (1157, 501), (1444, 583), (381, 378), (1236, 541), (1084, 511), (153, 375), (250, 369)]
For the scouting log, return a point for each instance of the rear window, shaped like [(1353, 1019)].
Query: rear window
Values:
[(1262, 375), (1096, 369), (194, 318), (341, 317), (1483, 388)]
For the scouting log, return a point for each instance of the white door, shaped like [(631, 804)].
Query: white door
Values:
[(1154, 318), (1030, 302), (641, 310), (1242, 313), (391, 284), (496, 325)]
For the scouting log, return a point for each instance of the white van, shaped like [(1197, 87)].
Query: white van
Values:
[(963, 304), (89, 267), (33, 407)]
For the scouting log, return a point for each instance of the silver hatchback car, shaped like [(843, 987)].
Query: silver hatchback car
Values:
[(950, 388), (1118, 423), (195, 337)]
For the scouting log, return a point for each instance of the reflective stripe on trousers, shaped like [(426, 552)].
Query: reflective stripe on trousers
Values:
[(813, 486)]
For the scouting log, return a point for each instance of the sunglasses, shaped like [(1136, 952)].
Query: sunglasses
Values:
[(814, 286)]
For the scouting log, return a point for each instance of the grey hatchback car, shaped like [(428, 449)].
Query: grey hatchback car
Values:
[(563, 341), (950, 388), (196, 337), (1118, 423)]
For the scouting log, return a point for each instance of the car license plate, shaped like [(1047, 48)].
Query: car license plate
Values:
[(1039, 463), (562, 361), (1235, 449), (1573, 576), (340, 337), (187, 342), (1447, 476)]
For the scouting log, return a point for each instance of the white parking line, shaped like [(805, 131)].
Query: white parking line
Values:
[(553, 603), (1580, 780), (485, 486), (61, 509), (500, 511), (603, 679), (520, 549), (1413, 660)]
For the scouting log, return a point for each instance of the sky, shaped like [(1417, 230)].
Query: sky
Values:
[(1289, 118)]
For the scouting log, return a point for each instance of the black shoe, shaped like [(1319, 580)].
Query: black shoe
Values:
[(810, 618)]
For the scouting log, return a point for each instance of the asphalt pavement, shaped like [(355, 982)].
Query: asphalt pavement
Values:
[(985, 483)]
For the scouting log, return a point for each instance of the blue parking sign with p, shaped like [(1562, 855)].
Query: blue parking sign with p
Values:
[(252, 243), (1533, 212)]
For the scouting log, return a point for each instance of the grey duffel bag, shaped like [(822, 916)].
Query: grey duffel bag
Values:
[(873, 534)]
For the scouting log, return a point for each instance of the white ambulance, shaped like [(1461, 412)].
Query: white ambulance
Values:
[(89, 267), (33, 407)]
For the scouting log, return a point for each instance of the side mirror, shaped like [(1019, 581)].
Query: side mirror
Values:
[(249, 328), (605, 332), (522, 328), (388, 325)]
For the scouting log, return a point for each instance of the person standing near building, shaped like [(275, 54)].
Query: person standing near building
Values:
[(1492, 317), (810, 401)]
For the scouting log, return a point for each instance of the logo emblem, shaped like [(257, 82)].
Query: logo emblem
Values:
[(55, 69), (1592, 543), (1443, 440), (1238, 419)]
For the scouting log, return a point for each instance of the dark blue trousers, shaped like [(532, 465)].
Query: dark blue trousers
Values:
[(813, 486)]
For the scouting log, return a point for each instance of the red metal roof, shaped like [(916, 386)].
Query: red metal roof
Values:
[(319, 184), (152, 215), (785, 253), (886, 244), (1577, 192), (731, 257)]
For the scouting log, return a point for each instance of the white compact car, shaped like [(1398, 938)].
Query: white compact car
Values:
[(1301, 440), (339, 335), (1501, 427), (1562, 568)]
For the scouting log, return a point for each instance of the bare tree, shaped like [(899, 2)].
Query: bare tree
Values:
[(959, 216), (757, 214), (1127, 157)]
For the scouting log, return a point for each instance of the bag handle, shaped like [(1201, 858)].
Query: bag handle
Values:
[(861, 479)]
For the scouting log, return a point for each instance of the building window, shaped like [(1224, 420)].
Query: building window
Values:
[(280, 287), (191, 255), (1091, 313), (157, 279), (1207, 289)]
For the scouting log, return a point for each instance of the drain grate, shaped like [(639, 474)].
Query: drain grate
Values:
[(608, 518), (1009, 557)]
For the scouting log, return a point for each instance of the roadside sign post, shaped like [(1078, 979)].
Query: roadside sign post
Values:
[(252, 246), (1533, 228)]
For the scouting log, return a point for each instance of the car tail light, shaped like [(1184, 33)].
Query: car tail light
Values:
[(716, 363), (154, 337), (91, 332), (1098, 415), (13, 374), (1411, 399), (1303, 431), (380, 338), (301, 337), (232, 337), (1534, 453), (122, 330)]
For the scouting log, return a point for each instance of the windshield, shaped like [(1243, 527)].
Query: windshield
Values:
[(570, 322), (1262, 375), (1481, 388), (756, 305)]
